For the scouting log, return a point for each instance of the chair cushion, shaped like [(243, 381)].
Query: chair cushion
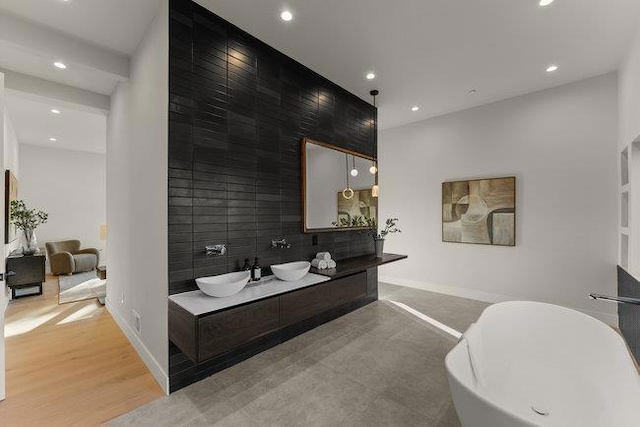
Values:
[(85, 262)]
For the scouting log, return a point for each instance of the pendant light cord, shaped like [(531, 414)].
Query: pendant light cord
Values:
[(374, 191), (374, 93), (346, 169)]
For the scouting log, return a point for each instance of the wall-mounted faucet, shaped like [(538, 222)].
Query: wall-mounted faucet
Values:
[(619, 300), (280, 244), (215, 250)]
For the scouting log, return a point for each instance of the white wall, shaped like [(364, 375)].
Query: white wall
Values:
[(629, 93), (629, 132), (9, 159), (71, 187), (9, 151), (137, 169), (11, 147), (3, 290), (12, 152), (561, 144)]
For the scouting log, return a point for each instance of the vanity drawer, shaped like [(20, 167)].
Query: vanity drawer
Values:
[(347, 289), (304, 303), (224, 331)]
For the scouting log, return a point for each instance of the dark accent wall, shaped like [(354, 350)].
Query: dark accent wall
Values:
[(238, 112), (629, 315)]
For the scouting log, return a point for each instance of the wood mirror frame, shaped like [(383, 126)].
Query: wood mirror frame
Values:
[(305, 229)]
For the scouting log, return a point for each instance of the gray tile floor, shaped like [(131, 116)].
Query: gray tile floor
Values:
[(377, 366)]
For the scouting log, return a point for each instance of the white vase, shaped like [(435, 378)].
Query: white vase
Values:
[(29, 242)]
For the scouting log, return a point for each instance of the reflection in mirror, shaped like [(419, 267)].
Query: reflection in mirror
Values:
[(339, 189)]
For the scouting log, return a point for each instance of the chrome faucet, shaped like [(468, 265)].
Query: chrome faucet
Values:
[(215, 250), (619, 300), (280, 244)]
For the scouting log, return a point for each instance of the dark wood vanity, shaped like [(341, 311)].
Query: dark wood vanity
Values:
[(219, 339)]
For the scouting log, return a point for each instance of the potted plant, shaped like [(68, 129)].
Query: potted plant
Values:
[(27, 220), (380, 236)]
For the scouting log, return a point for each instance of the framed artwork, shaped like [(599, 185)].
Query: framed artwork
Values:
[(10, 193), (480, 211)]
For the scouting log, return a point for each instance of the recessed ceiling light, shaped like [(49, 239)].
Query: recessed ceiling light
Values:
[(552, 68), (545, 2), (415, 108), (60, 65), (55, 111), (286, 16), (53, 139), (472, 91), (371, 76)]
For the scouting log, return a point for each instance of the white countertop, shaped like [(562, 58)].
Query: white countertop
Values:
[(198, 303)]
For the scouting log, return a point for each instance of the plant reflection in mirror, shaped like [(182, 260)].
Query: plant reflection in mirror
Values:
[(356, 221)]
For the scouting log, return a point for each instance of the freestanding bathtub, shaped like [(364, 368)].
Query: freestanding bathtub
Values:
[(534, 364)]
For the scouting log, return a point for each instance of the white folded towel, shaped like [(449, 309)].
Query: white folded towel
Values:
[(320, 264), (331, 264), (326, 256)]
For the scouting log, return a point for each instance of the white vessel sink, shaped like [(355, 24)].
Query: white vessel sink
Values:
[(291, 271), (224, 285)]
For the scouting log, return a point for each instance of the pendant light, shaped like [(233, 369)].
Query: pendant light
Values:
[(347, 193), (374, 168), (354, 171), (375, 189)]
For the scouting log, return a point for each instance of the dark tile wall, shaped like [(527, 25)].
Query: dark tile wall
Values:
[(237, 114), (629, 315)]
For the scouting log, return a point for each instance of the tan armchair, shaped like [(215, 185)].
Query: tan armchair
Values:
[(67, 258)]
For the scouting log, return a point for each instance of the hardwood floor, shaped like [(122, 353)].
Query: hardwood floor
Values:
[(69, 364)]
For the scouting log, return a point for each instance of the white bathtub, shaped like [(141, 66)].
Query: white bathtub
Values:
[(527, 357)]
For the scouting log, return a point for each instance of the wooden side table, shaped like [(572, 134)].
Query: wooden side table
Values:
[(102, 272), (29, 275)]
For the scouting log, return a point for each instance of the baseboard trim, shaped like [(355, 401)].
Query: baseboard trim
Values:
[(154, 367), (609, 319)]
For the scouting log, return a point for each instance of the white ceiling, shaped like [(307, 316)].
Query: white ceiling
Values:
[(15, 59), (115, 24), (74, 129), (92, 37), (425, 52), (432, 52)]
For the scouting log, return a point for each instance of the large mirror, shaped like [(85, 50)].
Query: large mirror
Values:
[(340, 189)]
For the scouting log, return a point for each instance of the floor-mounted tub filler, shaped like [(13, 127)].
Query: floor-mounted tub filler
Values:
[(534, 364)]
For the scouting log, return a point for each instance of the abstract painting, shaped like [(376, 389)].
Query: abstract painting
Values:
[(481, 211)]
